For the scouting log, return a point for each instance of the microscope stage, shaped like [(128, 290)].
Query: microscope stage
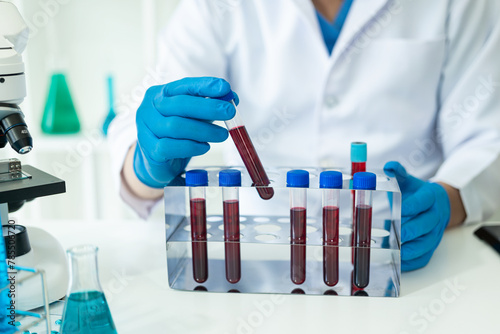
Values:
[(40, 184)]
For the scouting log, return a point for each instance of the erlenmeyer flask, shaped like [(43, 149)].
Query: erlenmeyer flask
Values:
[(86, 310), (59, 116)]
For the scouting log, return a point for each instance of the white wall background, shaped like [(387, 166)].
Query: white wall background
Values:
[(86, 40)]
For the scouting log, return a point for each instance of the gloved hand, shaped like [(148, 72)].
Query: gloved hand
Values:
[(425, 213), (174, 123)]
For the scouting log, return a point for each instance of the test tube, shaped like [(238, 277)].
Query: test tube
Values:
[(197, 180), (363, 184), (247, 151), (331, 183), (230, 179), (299, 181), (358, 157), (358, 164)]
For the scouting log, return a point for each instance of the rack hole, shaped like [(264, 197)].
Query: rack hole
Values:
[(267, 228)]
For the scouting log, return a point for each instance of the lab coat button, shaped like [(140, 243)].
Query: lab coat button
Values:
[(331, 101)]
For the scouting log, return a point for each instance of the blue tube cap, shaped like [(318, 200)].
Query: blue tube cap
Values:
[(196, 178), (364, 181), (230, 178), (297, 178), (330, 179), (358, 152)]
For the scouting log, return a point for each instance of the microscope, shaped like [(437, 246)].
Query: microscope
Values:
[(14, 36), (17, 183), (20, 183)]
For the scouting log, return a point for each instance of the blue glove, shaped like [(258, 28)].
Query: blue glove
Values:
[(174, 123), (425, 213)]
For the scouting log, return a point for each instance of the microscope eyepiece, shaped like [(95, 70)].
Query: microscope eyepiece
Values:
[(16, 131)]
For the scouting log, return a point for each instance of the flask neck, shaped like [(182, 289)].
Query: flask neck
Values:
[(83, 269)]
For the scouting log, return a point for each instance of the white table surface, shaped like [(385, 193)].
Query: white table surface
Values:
[(458, 292)]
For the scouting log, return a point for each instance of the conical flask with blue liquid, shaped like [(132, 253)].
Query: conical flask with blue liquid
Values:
[(86, 310)]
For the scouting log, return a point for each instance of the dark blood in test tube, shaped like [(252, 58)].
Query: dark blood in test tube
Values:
[(355, 168), (298, 245), (252, 162), (199, 239), (232, 240), (361, 293), (298, 292), (330, 292), (362, 249), (330, 242)]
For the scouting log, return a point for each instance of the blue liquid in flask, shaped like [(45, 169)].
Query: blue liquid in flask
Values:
[(87, 313), (86, 310)]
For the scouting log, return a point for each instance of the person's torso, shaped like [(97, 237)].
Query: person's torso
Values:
[(303, 107)]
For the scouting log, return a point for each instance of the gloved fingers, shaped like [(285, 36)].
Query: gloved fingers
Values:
[(236, 98), (186, 128), (419, 225), (156, 175), (421, 200), (442, 201), (416, 248), (195, 107), (183, 148), (416, 263), (200, 86), (395, 169), (164, 149), (407, 183)]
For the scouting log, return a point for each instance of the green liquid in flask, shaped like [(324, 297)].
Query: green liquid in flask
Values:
[(87, 313)]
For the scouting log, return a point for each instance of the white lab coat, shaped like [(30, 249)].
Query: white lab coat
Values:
[(417, 80)]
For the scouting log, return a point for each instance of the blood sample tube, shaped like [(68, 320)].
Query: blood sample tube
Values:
[(230, 179), (299, 181), (363, 184), (197, 180), (247, 151), (358, 157), (358, 164), (331, 183)]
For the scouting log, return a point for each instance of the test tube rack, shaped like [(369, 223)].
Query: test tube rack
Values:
[(265, 238)]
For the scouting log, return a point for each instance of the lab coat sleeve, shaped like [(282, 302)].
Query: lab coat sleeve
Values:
[(469, 119), (189, 46)]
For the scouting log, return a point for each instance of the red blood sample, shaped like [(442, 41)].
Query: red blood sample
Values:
[(199, 239), (252, 162), (362, 242), (232, 240), (298, 245), (358, 167), (331, 242)]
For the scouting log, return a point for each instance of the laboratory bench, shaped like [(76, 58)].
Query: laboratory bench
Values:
[(457, 292)]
